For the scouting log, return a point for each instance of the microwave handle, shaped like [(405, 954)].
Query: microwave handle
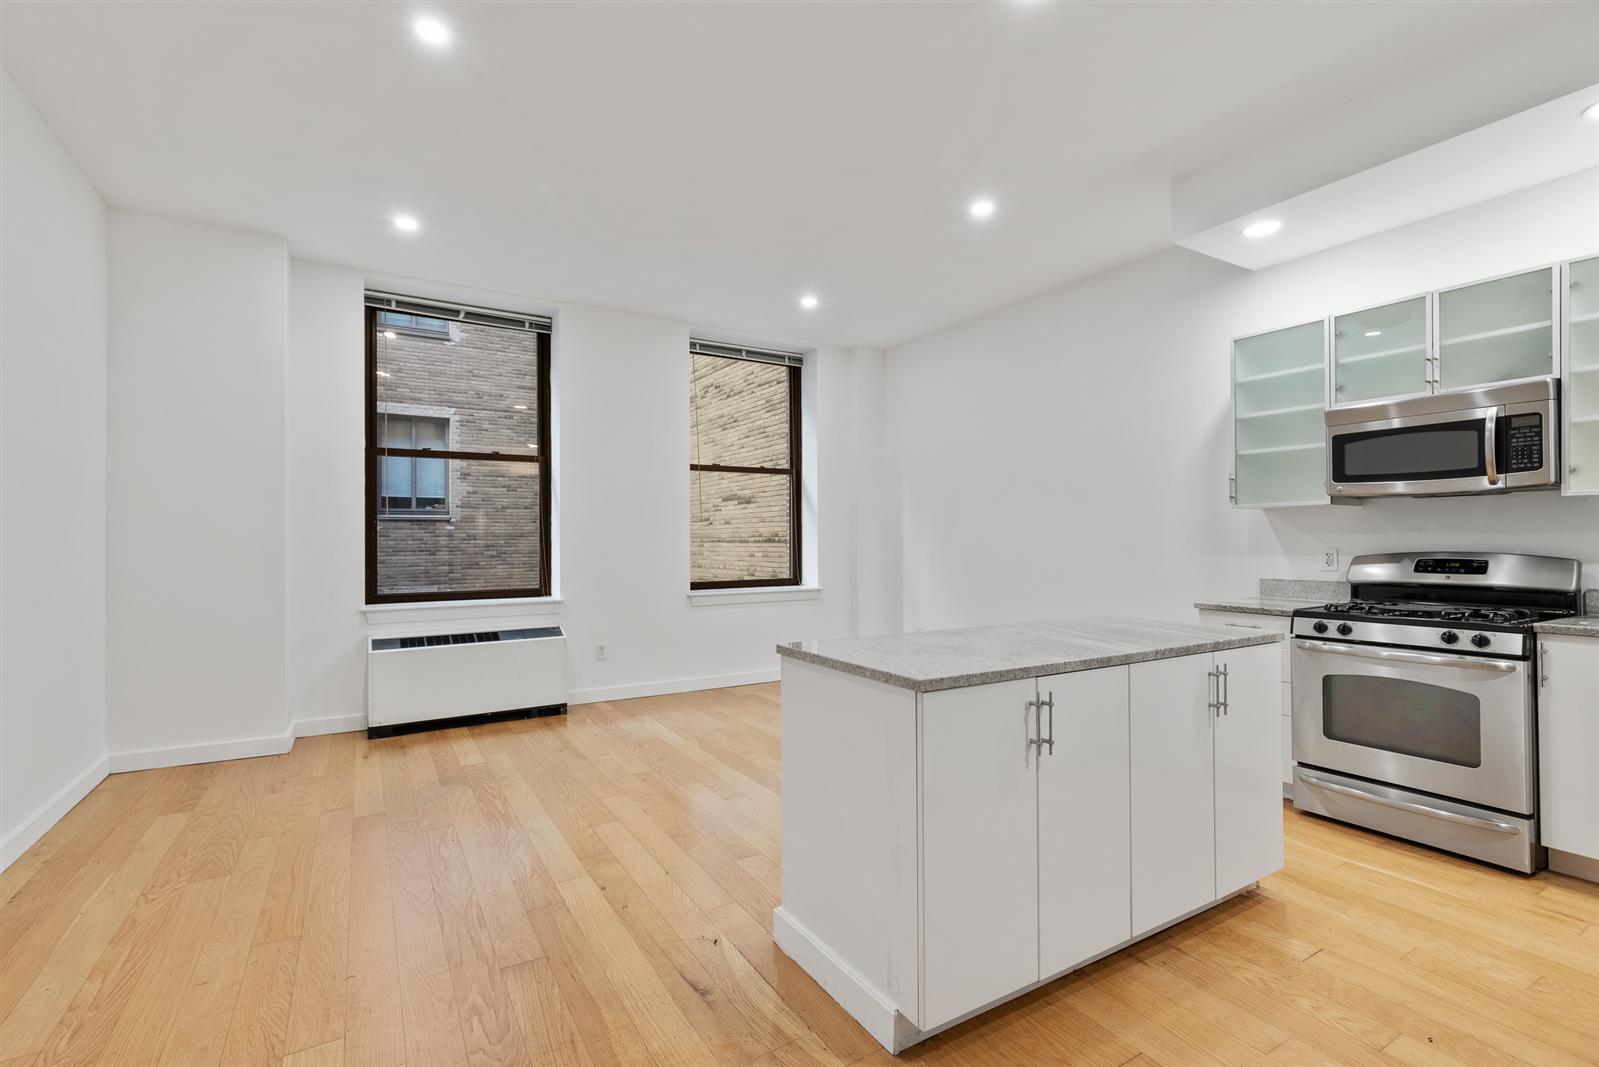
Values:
[(1490, 446)]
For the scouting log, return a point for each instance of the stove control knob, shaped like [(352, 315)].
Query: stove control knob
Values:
[(1345, 629), (1319, 627), (1449, 637), (1481, 640)]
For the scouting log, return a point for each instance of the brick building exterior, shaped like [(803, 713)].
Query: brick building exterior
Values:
[(479, 384), (467, 387), (738, 523)]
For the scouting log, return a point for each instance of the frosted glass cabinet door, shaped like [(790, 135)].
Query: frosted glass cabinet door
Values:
[(1381, 352), (1582, 377), (1279, 404), (1497, 331)]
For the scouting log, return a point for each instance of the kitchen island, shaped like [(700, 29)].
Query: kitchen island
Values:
[(968, 814)]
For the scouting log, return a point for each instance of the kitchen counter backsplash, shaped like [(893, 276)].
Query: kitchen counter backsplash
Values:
[(1591, 602), (1299, 589)]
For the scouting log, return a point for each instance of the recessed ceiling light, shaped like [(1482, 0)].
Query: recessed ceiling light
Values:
[(1591, 112), (1373, 333), (406, 223), (383, 374), (431, 31), (519, 407), (389, 335), (530, 444), (1263, 228), (981, 208), (809, 302)]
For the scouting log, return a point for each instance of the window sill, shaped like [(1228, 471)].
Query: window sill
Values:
[(770, 594), (462, 609)]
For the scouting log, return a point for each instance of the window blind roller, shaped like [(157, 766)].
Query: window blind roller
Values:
[(754, 355)]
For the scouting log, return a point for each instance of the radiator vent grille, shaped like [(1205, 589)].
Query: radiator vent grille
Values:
[(387, 644)]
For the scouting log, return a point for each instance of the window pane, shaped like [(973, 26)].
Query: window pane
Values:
[(432, 433), (395, 431), (489, 542), (395, 476), (484, 378), (739, 527), (430, 474), (738, 413)]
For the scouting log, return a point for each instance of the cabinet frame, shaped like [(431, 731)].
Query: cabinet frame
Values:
[(1558, 272), (1326, 359), (1429, 346), (1564, 312)]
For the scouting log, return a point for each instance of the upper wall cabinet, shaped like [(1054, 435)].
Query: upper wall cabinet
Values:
[(1382, 352), (1497, 331), (1581, 390), (1279, 395)]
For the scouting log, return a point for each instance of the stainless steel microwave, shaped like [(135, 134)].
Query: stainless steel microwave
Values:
[(1489, 440)]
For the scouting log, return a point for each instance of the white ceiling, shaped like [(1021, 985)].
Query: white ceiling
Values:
[(711, 161)]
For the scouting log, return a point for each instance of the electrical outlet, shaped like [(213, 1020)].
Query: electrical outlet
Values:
[(1329, 560), (599, 650)]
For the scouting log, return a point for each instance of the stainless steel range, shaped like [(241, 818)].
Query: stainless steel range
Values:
[(1414, 702)]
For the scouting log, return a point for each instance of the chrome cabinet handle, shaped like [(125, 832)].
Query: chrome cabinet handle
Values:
[(1226, 690), (1038, 740), (1396, 656), (1543, 666), (1490, 446), (1213, 690), (1050, 704), (1498, 826)]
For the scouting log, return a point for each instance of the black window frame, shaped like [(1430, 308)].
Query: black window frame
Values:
[(375, 450), (792, 471)]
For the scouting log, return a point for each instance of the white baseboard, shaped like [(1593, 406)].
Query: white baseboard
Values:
[(333, 724), (35, 826), (672, 685), (854, 994), (145, 759)]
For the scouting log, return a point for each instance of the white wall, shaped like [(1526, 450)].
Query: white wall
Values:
[(52, 479), (197, 349), (1070, 453), (621, 505)]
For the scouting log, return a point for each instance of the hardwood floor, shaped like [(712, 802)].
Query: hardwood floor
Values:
[(598, 889)]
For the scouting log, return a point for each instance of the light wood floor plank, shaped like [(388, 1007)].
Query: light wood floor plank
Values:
[(596, 891)]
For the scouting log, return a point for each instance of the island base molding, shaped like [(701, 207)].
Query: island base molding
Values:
[(877, 1015)]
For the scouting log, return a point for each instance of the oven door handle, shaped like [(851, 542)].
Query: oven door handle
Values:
[(1498, 826), (1394, 655)]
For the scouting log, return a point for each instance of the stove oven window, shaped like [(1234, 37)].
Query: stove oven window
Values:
[(1399, 715)]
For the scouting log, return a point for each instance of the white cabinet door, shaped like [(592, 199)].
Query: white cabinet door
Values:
[(1083, 815), (1568, 744), (1249, 795), (1173, 799), (979, 847)]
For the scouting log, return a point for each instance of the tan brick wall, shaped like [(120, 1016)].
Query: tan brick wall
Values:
[(739, 525)]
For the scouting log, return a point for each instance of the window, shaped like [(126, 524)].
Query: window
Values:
[(413, 485), (457, 442), (744, 465), (421, 325)]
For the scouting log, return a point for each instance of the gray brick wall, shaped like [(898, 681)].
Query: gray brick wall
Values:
[(477, 379), (738, 523)]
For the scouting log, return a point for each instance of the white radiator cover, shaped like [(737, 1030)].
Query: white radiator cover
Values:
[(523, 668)]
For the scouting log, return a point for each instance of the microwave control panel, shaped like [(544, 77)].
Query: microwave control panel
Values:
[(1526, 443)]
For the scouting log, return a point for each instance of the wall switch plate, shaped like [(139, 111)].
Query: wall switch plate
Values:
[(599, 651), (1329, 560)]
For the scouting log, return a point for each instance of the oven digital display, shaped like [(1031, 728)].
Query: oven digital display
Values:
[(1451, 566)]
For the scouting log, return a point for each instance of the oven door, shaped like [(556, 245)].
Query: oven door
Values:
[(1445, 452), (1455, 726)]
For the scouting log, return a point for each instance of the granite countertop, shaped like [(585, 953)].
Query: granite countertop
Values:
[(1575, 626), (1259, 605), (952, 659)]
